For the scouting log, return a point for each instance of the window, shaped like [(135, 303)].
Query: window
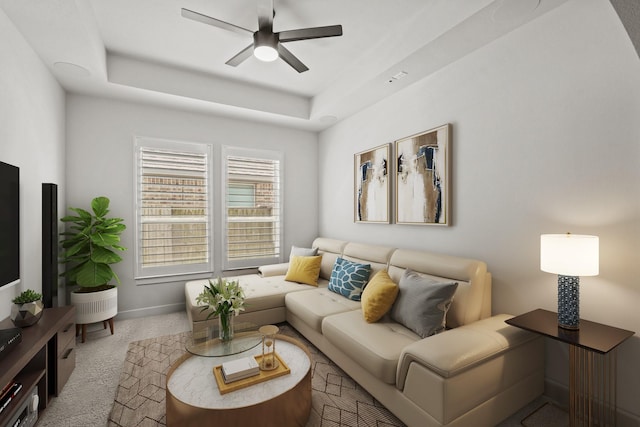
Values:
[(251, 207), (173, 227), (241, 195)]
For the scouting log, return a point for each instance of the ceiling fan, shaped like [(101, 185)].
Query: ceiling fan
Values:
[(267, 45)]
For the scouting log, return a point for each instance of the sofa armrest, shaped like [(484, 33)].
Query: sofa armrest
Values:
[(457, 350), (273, 269)]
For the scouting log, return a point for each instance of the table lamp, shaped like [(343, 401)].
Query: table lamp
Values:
[(569, 256)]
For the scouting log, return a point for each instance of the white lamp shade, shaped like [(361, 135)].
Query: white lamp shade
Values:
[(570, 254)]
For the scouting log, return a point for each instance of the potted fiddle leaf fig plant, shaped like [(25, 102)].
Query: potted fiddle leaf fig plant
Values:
[(90, 248), (27, 308)]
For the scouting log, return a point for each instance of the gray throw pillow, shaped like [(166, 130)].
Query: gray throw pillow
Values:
[(296, 251), (422, 303)]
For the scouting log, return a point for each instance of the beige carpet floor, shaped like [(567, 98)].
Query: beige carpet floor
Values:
[(90, 396), (140, 398)]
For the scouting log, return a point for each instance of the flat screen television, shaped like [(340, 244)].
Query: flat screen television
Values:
[(9, 224)]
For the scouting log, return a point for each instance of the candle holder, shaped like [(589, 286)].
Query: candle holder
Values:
[(268, 361)]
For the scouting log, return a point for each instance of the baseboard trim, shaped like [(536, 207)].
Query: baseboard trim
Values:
[(150, 311), (559, 394)]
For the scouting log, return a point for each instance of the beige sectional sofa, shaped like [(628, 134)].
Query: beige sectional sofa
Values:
[(476, 373)]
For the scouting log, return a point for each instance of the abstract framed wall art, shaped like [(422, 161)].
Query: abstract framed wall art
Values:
[(422, 177), (372, 188)]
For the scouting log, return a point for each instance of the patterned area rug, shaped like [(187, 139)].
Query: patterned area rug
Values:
[(337, 400)]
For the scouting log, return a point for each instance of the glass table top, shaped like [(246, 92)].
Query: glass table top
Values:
[(207, 343)]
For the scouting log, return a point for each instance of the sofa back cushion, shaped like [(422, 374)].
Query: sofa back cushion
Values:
[(470, 302), (377, 256), (330, 249)]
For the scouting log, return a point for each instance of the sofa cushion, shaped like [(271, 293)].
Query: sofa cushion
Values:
[(297, 251), (375, 346), (374, 255), (313, 305), (330, 249), (304, 269), (261, 293), (422, 303), (348, 278), (378, 296)]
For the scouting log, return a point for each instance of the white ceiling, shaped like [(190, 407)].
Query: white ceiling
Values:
[(145, 50)]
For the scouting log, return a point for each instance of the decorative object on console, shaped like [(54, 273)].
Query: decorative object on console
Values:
[(349, 278), (27, 308), (423, 303), (304, 269), (422, 177), (569, 256), (224, 299), (372, 188), (90, 248), (269, 361)]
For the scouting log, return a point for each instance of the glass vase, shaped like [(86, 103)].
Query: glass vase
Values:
[(225, 326)]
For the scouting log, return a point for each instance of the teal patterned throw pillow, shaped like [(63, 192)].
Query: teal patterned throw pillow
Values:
[(348, 278)]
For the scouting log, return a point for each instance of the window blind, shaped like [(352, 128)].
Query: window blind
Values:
[(252, 210), (173, 211)]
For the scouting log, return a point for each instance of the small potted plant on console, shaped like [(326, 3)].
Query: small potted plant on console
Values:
[(27, 308)]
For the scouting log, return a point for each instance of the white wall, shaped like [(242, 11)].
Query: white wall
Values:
[(32, 134), (546, 139), (101, 162)]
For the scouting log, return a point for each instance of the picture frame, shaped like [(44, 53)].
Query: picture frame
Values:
[(372, 186), (422, 190)]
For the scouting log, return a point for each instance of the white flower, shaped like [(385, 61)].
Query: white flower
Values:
[(222, 297)]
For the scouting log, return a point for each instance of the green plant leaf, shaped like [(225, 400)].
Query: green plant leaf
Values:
[(85, 216), (105, 239), (93, 274), (76, 248), (104, 256), (100, 206)]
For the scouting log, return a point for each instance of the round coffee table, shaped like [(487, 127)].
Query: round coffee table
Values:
[(193, 398)]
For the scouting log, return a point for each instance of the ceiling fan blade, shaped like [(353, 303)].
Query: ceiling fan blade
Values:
[(290, 59), (243, 55), (265, 15), (310, 33), (190, 14)]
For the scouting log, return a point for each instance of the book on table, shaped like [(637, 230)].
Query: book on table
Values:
[(239, 369)]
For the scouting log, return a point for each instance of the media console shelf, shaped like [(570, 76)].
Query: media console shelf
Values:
[(45, 357)]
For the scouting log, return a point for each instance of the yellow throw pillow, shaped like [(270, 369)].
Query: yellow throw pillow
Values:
[(378, 296), (304, 269)]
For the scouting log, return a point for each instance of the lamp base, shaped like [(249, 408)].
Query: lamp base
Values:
[(569, 302)]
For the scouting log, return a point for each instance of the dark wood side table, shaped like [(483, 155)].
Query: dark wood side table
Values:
[(592, 360)]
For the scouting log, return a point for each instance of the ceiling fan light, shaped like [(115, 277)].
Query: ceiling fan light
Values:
[(265, 53)]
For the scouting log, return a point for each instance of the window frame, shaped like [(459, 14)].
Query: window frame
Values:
[(262, 155), (146, 275)]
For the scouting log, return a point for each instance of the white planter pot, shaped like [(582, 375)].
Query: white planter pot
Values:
[(92, 307)]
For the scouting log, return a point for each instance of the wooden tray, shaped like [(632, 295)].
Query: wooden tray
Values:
[(263, 376)]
